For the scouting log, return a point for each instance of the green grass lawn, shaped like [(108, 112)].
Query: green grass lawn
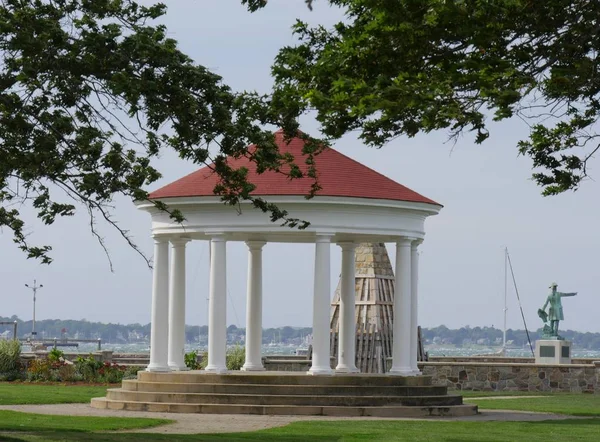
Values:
[(471, 393), (17, 421), (22, 393), (571, 430), (561, 403), (15, 426)]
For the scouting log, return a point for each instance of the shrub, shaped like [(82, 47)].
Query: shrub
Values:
[(131, 372), (88, 368), (67, 373), (203, 361), (191, 360), (234, 360), (110, 373), (39, 370), (91, 370), (55, 355), (10, 357), (55, 369), (10, 377)]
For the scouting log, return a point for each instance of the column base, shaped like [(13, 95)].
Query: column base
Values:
[(177, 367), (417, 372), (346, 369), (320, 371), (158, 368), (401, 371), (252, 367), (217, 370)]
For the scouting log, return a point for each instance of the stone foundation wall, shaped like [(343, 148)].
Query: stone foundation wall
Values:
[(476, 376)]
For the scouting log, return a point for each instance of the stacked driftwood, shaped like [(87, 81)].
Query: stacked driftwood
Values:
[(374, 313)]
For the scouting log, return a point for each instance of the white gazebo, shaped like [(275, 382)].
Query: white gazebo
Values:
[(354, 205)]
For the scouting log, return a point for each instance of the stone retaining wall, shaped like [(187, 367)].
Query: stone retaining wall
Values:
[(286, 365), (501, 359), (102, 355), (277, 363), (477, 376), (481, 373)]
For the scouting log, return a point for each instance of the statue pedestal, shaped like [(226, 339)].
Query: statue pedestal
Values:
[(552, 351)]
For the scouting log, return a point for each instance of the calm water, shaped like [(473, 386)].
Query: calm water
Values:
[(510, 352), (291, 350)]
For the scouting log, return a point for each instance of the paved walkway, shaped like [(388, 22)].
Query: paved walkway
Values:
[(226, 423)]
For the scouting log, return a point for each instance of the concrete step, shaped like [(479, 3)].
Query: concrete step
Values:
[(386, 411), (338, 390), (265, 399), (282, 378)]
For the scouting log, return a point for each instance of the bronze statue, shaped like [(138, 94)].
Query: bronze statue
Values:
[(554, 314)]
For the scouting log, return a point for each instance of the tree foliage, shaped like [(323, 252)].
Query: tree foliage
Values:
[(403, 67), (91, 93)]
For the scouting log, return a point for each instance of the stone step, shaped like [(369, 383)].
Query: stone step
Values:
[(282, 378), (338, 390), (264, 399), (386, 411)]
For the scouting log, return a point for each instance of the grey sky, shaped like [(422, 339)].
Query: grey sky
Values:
[(488, 197)]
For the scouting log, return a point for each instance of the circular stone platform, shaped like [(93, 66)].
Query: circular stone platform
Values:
[(285, 393)]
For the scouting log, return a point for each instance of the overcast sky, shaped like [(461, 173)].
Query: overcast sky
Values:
[(489, 203)]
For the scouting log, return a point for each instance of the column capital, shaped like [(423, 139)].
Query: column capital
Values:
[(323, 237), (160, 239), (179, 241), (347, 245), (217, 236), (417, 242), (255, 245), (404, 241)]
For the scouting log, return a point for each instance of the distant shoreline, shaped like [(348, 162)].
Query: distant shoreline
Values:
[(442, 338)]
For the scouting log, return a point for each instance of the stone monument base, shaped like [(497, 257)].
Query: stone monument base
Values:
[(552, 351)]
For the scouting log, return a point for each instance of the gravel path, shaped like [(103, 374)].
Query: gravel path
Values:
[(227, 423)]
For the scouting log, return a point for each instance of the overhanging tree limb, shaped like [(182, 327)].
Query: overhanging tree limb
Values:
[(91, 93), (407, 67)]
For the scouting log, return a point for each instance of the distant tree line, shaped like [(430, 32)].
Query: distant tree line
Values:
[(83, 329), (114, 333), (471, 335), (57, 328)]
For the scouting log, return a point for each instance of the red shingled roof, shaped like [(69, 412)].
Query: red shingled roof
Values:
[(338, 176)]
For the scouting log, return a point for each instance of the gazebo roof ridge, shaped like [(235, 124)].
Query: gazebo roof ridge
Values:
[(339, 176)]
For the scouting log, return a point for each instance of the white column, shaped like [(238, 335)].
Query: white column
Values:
[(414, 306), (402, 310), (217, 313), (347, 336), (159, 330), (177, 305), (321, 307), (254, 308)]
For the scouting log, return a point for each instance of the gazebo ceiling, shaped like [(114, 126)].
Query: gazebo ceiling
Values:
[(339, 176)]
